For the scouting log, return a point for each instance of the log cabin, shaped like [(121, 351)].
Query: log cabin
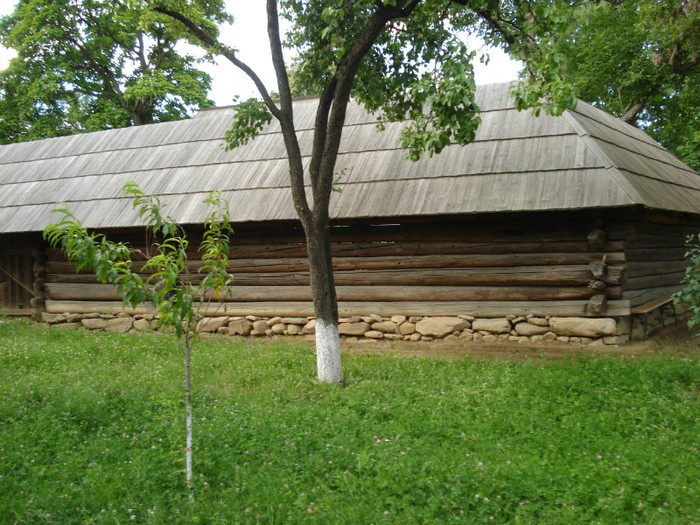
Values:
[(576, 216)]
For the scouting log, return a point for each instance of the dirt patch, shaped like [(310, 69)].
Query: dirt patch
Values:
[(673, 340)]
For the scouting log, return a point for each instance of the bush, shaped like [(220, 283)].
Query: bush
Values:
[(690, 293)]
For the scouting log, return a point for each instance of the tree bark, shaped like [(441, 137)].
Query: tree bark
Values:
[(318, 245)]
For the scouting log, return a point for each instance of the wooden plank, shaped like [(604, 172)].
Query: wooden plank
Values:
[(346, 309), (655, 254)]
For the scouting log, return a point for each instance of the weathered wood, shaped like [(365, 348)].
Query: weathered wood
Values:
[(346, 309), (523, 275), (638, 297), (654, 281), (642, 269), (658, 254), (72, 291)]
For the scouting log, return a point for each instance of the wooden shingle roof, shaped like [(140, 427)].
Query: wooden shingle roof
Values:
[(518, 162)]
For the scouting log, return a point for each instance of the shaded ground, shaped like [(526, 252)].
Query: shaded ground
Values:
[(672, 340)]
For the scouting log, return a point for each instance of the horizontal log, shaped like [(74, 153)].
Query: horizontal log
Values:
[(641, 240), (346, 309), (575, 275), (654, 281), (301, 264), (643, 269), (97, 292), (655, 254), (639, 297)]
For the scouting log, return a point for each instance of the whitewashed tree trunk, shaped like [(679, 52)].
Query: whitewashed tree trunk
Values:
[(328, 362)]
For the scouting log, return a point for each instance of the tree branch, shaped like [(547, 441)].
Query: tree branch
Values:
[(225, 51)]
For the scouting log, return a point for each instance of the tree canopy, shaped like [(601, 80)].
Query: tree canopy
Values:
[(86, 65), (639, 60)]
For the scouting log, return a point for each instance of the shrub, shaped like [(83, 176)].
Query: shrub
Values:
[(690, 293)]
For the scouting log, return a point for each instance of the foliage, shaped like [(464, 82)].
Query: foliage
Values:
[(639, 60), (87, 437), (86, 65), (168, 285), (690, 293)]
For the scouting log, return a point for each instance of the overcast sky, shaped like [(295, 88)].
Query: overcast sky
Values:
[(248, 34)]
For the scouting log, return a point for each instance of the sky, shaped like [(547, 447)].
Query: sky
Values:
[(248, 35)]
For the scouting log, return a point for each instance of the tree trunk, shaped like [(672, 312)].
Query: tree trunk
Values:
[(318, 245)]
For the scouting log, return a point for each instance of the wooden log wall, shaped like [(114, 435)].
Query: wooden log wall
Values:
[(655, 253), (547, 264)]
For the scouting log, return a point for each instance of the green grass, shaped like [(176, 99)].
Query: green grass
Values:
[(92, 431)]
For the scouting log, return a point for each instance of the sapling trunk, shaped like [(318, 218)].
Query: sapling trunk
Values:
[(188, 417)]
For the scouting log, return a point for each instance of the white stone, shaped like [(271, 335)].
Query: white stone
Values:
[(440, 326), (498, 326), (583, 326)]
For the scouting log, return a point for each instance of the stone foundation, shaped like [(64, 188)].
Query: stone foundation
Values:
[(513, 329)]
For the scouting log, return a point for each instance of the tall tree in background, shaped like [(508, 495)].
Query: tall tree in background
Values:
[(86, 65), (640, 61), (400, 58)]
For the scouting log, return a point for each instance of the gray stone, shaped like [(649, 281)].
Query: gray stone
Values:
[(538, 321), (120, 325), (376, 318), (240, 327), (583, 326), (73, 318), (294, 329), (490, 338), (91, 315), (415, 336), (94, 323), (273, 321), (357, 329), (279, 328), (211, 324), (407, 328), (497, 326), (387, 327), (530, 329), (451, 339), (550, 336), (414, 319), (398, 319), (374, 334), (53, 318), (142, 325), (537, 339), (259, 326), (294, 320), (440, 326), (391, 337), (310, 327)]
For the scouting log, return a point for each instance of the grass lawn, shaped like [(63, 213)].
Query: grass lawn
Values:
[(92, 431)]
